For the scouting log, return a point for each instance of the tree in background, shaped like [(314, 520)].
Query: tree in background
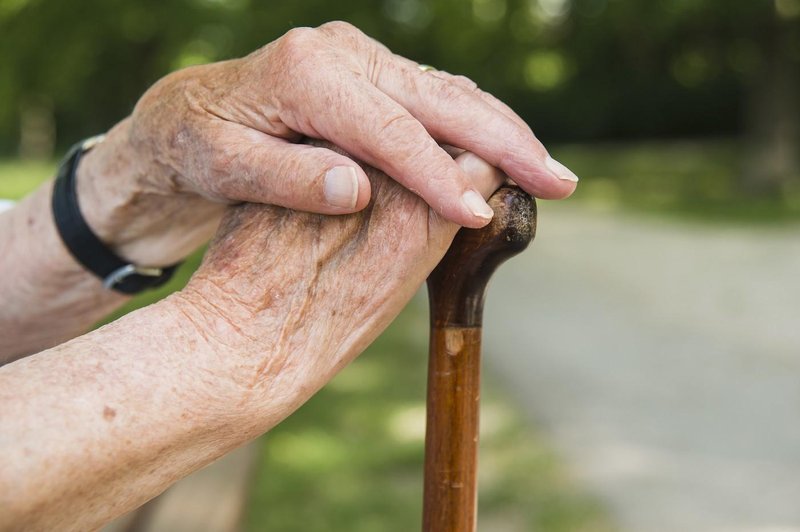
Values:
[(576, 69)]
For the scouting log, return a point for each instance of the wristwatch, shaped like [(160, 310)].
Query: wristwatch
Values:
[(85, 246)]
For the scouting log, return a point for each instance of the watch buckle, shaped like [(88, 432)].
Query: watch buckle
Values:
[(122, 273)]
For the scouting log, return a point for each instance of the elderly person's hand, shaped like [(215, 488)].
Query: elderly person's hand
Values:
[(282, 301), (294, 296), (229, 132)]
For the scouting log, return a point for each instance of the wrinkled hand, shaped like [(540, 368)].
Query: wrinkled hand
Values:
[(289, 298), (229, 130)]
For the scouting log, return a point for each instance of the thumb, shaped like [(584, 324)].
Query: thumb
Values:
[(258, 168)]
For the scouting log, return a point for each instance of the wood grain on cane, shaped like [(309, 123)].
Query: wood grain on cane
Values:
[(456, 291)]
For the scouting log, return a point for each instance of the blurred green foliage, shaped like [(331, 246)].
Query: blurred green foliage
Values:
[(687, 180), (576, 69), (18, 178)]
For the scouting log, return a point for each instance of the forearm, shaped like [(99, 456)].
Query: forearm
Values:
[(47, 296), (99, 425)]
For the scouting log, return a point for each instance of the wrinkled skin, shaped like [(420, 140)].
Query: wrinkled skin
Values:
[(295, 296), (282, 301), (228, 130)]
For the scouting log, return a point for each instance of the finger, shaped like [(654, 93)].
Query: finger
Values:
[(461, 117), (486, 178), (248, 165), (379, 131), (470, 86)]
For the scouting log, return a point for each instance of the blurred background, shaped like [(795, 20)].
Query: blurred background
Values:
[(642, 357)]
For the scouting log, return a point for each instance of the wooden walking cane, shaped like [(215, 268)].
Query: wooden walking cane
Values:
[(456, 290)]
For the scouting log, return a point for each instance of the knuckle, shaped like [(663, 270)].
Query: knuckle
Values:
[(451, 92), (467, 83), (339, 27), (348, 36), (299, 34), (297, 43)]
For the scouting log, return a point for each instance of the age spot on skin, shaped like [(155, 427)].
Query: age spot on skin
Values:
[(109, 413)]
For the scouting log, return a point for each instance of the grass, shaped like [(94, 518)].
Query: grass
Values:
[(352, 457), (17, 178), (692, 180)]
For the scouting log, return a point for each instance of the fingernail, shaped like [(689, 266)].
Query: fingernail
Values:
[(561, 171), (341, 187), (476, 205)]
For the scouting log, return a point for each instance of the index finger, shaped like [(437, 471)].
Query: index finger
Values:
[(382, 133), (458, 114)]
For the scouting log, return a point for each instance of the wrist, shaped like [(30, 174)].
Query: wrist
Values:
[(128, 203), (245, 377), (273, 365), (109, 179)]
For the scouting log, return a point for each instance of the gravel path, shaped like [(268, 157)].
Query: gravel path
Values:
[(664, 361)]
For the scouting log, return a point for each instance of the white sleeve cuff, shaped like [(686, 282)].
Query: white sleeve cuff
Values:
[(6, 204)]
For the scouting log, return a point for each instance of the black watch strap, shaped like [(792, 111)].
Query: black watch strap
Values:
[(87, 248)]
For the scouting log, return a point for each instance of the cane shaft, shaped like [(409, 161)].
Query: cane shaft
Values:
[(451, 450), (456, 290)]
